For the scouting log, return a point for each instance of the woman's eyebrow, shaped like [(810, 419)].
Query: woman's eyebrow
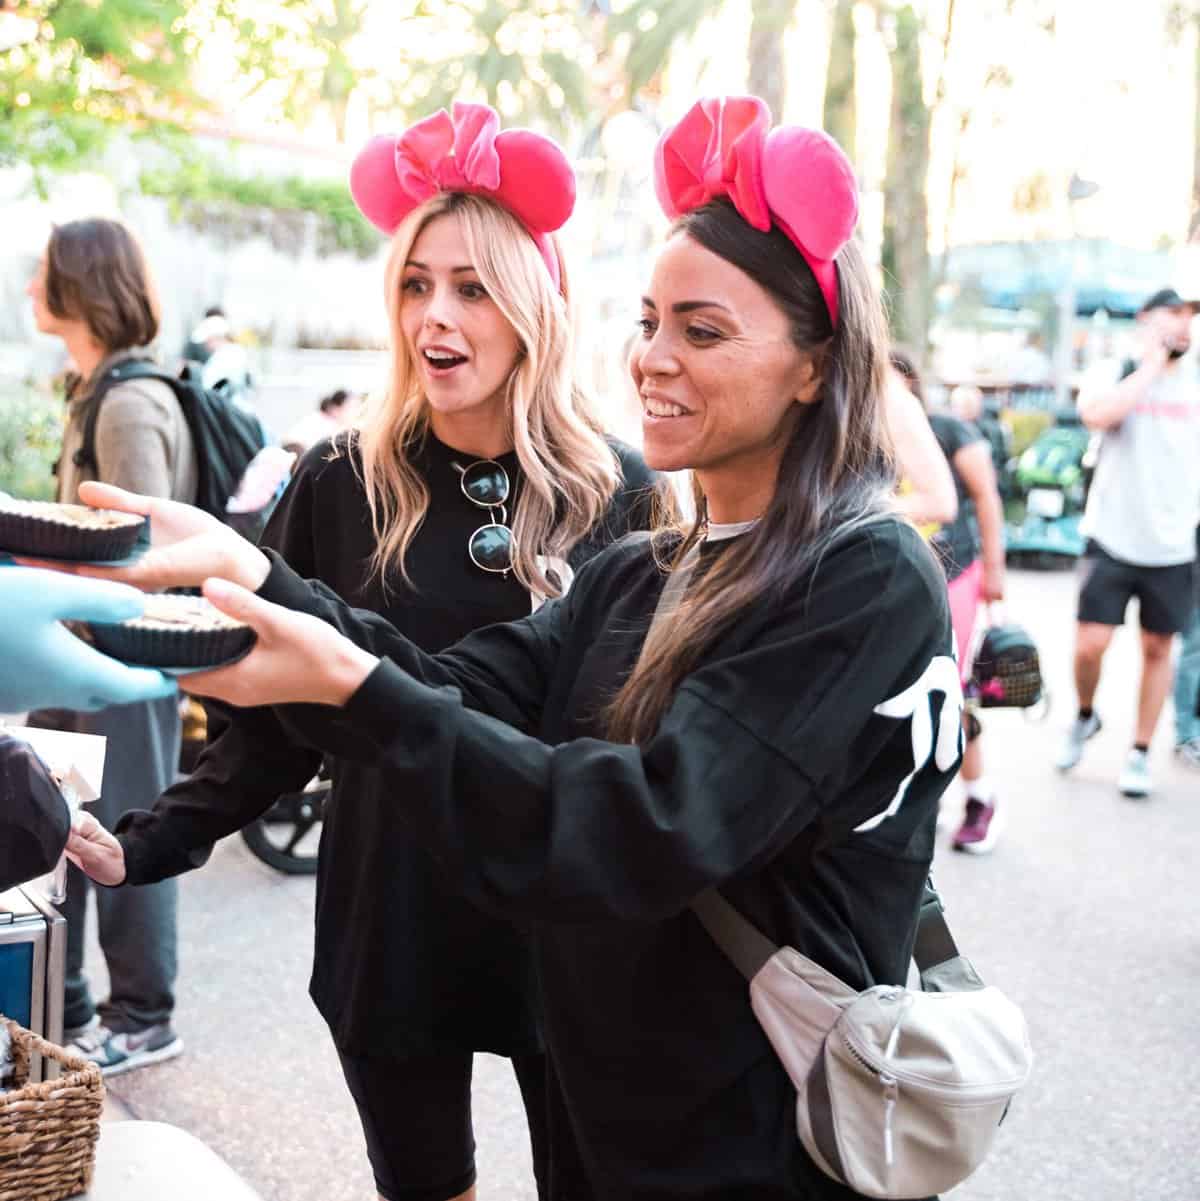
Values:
[(687, 306), (425, 267)]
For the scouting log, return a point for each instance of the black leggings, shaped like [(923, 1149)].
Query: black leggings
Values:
[(416, 1116)]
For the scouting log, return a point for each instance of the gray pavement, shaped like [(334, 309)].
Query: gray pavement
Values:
[(1086, 915)]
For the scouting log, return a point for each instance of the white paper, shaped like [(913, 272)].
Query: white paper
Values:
[(77, 759)]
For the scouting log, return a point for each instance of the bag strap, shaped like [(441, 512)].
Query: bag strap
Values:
[(85, 456), (942, 968), (935, 952)]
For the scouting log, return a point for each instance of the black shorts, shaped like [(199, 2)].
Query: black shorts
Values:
[(416, 1116), (1166, 595)]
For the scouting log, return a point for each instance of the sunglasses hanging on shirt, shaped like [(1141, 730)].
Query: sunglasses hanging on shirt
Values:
[(485, 484)]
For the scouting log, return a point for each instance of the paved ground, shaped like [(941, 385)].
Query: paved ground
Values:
[(1086, 915)]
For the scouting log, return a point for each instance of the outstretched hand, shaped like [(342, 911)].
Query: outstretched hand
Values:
[(45, 665), (187, 545), (297, 658), (95, 851)]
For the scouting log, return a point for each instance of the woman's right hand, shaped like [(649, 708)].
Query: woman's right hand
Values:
[(95, 851), (187, 545)]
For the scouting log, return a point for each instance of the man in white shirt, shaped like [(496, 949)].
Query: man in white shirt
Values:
[(1141, 519)]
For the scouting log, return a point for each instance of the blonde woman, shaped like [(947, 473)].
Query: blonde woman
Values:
[(471, 491)]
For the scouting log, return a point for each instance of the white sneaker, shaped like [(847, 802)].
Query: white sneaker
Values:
[(1082, 728), (1135, 779), (71, 1033), (1189, 752)]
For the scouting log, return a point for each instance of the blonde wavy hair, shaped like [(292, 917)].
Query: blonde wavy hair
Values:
[(570, 472)]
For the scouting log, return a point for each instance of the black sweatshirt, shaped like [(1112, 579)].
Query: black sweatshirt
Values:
[(34, 818), (403, 964), (795, 767)]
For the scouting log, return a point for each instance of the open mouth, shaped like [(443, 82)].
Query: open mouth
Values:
[(443, 360)]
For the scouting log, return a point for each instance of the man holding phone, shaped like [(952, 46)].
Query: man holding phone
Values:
[(1141, 519)]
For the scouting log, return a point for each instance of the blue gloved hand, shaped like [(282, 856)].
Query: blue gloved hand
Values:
[(43, 665)]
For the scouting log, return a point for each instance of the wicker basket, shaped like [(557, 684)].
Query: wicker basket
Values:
[(48, 1131)]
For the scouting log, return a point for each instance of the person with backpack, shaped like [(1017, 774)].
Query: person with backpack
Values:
[(474, 487), (783, 732), (93, 289)]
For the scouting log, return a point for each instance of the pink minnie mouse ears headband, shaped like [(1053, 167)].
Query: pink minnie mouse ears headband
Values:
[(795, 178), (524, 172)]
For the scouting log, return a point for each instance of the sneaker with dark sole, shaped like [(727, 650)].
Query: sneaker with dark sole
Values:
[(1082, 728), (980, 829), (122, 1051)]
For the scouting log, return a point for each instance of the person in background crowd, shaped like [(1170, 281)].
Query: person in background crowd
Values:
[(784, 733), (1030, 364), (225, 364), (966, 403), (93, 289), (197, 348), (971, 548), (335, 413), (1141, 518), (1187, 686), (926, 495), (471, 490)]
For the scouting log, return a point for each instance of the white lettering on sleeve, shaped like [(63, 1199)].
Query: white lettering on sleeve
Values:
[(915, 704)]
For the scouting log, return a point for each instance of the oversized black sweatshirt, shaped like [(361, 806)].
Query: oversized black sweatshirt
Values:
[(403, 964), (798, 767)]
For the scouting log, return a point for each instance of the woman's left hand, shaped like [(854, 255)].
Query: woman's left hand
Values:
[(993, 582), (297, 658)]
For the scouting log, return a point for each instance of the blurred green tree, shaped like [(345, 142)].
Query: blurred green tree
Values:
[(839, 112), (647, 32), (533, 61), (905, 253), (652, 30), (768, 72), (308, 47), (71, 71)]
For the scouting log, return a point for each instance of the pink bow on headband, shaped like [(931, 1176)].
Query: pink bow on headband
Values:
[(524, 172), (797, 178)]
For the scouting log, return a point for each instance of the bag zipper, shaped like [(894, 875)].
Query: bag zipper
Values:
[(995, 1091)]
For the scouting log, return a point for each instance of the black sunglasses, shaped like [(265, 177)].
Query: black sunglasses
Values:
[(485, 483)]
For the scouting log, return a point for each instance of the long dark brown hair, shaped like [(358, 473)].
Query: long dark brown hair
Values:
[(835, 473), (96, 273)]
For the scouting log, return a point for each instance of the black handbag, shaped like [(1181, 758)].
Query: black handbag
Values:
[(1007, 673)]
